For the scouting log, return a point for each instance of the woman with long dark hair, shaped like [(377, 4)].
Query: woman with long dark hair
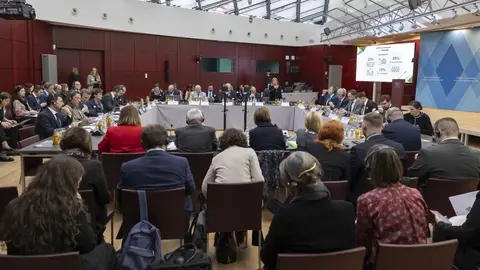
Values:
[(20, 107), (49, 217), (416, 117)]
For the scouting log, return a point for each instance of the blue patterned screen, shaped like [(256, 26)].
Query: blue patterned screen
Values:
[(449, 70)]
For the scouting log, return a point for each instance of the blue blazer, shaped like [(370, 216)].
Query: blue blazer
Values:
[(341, 103), (327, 99), (34, 103), (93, 108), (158, 170), (404, 133)]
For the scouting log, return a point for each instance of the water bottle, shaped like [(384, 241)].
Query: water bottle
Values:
[(247, 134)]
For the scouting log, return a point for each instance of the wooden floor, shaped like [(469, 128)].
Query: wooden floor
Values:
[(247, 258)]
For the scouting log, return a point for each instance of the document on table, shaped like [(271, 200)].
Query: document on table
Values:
[(44, 144), (462, 204)]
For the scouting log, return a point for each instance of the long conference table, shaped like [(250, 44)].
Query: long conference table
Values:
[(174, 116)]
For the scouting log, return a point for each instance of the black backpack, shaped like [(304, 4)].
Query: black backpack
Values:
[(225, 248), (186, 257)]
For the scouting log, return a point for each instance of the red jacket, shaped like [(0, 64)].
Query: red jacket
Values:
[(122, 139)]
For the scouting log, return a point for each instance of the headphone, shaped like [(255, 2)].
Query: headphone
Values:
[(369, 158), (294, 183)]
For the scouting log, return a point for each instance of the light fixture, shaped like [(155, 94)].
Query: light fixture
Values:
[(454, 15), (168, 2), (434, 20), (292, 57), (475, 11), (400, 28), (414, 24), (287, 57), (390, 30)]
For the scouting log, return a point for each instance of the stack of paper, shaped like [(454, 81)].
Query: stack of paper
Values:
[(462, 204)]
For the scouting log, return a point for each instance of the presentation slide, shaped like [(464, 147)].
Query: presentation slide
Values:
[(385, 63)]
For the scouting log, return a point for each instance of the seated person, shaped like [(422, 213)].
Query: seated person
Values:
[(212, 95), (253, 95), (385, 104), (173, 93), (156, 93), (468, 234), (197, 94), (73, 110), (449, 159), (342, 100), (328, 96), (158, 169), (121, 99), (77, 143), (400, 131), (196, 137), (83, 105), (125, 137), (366, 104), (52, 217), (313, 123), (35, 99), (51, 118), (311, 222), (95, 105), (237, 163), (110, 100), (372, 126), (328, 150), (391, 213), (353, 107), (6, 124), (20, 108), (418, 118), (266, 136)]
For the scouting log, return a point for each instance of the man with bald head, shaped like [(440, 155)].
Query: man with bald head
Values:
[(197, 94), (400, 131), (449, 159), (172, 92)]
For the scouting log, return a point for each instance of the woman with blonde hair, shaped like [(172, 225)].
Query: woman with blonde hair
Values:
[(93, 79), (275, 90), (313, 123), (311, 222), (328, 150), (125, 137)]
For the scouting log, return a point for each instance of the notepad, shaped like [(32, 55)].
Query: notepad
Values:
[(462, 204)]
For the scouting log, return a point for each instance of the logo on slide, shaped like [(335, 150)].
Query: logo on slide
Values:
[(395, 69)]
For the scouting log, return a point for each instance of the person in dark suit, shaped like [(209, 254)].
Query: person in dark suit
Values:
[(172, 92), (400, 131), (196, 137), (385, 104), (342, 100), (367, 105), (267, 81), (158, 169), (353, 107), (266, 136), (328, 150), (328, 95), (211, 94), (95, 105), (77, 143), (110, 101), (73, 77), (51, 118), (372, 128), (35, 100), (121, 99), (252, 95), (275, 90), (156, 93), (467, 256), (313, 123), (449, 159), (300, 226), (5, 125)]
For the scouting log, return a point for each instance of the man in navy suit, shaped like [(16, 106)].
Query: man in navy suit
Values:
[(51, 118), (252, 95), (158, 169), (342, 100), (400, 131)]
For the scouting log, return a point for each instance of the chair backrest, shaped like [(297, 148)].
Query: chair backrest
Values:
[(438, 256), (199, 164), (338, 189), (410, 182), (166, 211), (6, 195), (234, 207), (26, 132), (70, 261), (438, 191), (410, 158), (351, 259), (29, 141), (89, 201), (111, 166)]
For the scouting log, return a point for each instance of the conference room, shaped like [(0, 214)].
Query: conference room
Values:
[(327, 134)]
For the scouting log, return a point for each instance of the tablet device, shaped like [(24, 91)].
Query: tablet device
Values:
[(440, 216)]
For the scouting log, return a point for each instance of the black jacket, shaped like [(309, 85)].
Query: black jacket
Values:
[(370, 106), (358, 177), (449, 159), (72, 78), (468, 235), (214, 96), (404, 133), (160, 96), (304, 136), (423, 122), (275, 93), (47, 123), (267, 136), (109, 103), (309, 226), (335, 164), (196, 138)]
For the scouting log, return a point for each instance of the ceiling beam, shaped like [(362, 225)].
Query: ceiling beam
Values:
[(326, 4), (216, 4), (297, 13), (199, 4), (235, 7), (268, 4)]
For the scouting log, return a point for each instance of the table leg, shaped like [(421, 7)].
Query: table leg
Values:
[(466, 139)]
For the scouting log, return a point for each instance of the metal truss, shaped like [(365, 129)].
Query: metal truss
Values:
[(383, 18)]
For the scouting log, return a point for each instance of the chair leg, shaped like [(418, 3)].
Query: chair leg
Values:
[(259, 248), (206, 248), (111, 227)]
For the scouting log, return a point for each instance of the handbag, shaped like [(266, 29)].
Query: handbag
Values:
[(225, 248), (186, 257)]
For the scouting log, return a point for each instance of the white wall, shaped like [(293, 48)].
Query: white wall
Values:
[(171, 21)]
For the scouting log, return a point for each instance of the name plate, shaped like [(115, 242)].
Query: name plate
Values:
[(194, 103), (301, 106), (345, 120), (206, 103), (149, 107), (172, 102), (333, 117), (285, 104), (230, 103), (258, 103)]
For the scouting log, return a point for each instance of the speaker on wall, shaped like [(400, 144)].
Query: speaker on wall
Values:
[(167, 71), (328, 59), (49, 68), (327, 31)]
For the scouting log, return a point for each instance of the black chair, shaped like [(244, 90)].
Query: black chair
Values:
[(7, 194), (93, 209), (70, 261), (26, 132), (342, 260), (166, 211), (338, 189), (29, 141), (234, 207), (199, 164)]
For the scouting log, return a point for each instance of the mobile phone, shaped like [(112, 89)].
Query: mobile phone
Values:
[(440, 216)]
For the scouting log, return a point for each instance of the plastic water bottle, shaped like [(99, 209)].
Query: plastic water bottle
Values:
[(247, 134)]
